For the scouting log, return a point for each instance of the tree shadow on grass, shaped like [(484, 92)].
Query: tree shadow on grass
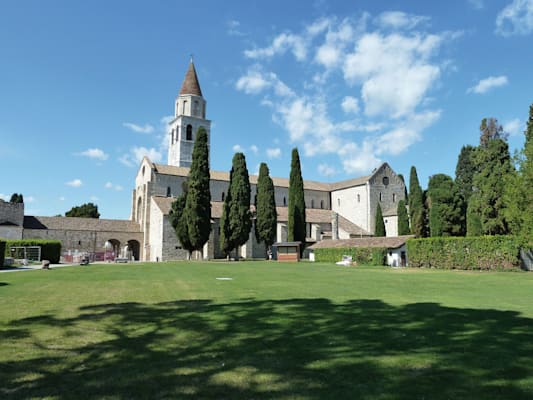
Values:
[(297, 348)]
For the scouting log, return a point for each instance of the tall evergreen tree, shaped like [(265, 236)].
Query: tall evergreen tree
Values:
[(417, 212), (465, 170), (236, 220), (266, 216), (489, 130), (296, 211), (446, 207), (198, 203), (379, 230), (87, 210), (488, 200), (179, 222), (16, 198), (403, 219), (518, 190)]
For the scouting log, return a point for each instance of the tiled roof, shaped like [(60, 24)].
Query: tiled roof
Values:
[(224, 176), (80, 224), (387, 242), (190, 83)]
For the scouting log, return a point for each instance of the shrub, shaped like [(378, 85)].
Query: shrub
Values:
[(470, 253), (367, 256), (2, 252), (50, 249)]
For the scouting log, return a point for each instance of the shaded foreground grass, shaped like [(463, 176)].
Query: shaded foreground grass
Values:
[(287, 332)]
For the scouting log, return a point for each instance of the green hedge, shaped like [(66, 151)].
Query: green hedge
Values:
[(50, 249), (469, 253), (2, 252), (366, 256)]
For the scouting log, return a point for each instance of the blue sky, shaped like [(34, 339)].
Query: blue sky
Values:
[(86, 88)]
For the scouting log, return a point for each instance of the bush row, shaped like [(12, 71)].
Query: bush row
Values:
[(366, 256), (50, 249), (2, 252), (480, 253)]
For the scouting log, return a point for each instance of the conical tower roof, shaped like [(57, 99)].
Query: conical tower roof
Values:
[(190, 83)]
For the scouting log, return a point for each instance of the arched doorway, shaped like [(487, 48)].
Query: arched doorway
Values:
[(134, 248), (111, 249)]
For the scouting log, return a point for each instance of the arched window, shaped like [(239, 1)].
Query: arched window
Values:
[(339, 202), (322, 204), (189, 132), (184, 107), (139, 210), (169, 193), (143, 170), (195, 108), (284, 201), (312, 203), (394, 197), (222, 197), (358, 198), (380, 196)]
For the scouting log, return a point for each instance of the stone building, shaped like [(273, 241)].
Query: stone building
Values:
[(340, 210)]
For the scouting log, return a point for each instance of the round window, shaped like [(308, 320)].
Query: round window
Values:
[(385, 180)]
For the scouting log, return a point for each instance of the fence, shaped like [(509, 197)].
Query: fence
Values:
[(75, 257), (30, 253)]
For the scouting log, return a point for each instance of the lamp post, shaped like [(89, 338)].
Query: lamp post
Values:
[(107, 246)]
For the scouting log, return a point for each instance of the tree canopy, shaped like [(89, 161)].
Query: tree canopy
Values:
[(296, 211), (16, 198), (446, 207), (379, 231), (417, 211), (266, 216), (198, 203), (87, 210), (236, 220), (403, 219), (178, 221)]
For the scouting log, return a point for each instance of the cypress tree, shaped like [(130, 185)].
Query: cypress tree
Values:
[(236, 220), (488, 201), (518, 190), (465, 170), (296, 211), (198, 203), (446, 207), (403, 219), (266, 217), (178, 222), (16, 198), (380, 224), (417, 212)]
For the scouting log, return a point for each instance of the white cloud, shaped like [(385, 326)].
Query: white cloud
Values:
[(282, 43), (62, 198), (94, 153), (137, 153), (29, 199), (256, 81), (4, 197), (273, 153), (516, 18), (514, 127), (326, 170), (395, 71), (113, 186), (350, 105), (254, 149), (400, 20), (74, 183), (94, 198), (238, 149), (146, 128), (388, 74), (233, 28), (484, 85), (477, 4)]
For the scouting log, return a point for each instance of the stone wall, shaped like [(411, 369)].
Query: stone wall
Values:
[(12, 213)]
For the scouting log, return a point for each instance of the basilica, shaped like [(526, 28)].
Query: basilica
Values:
[(340, 210)]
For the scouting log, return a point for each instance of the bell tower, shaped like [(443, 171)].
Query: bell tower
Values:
[(189, 115)]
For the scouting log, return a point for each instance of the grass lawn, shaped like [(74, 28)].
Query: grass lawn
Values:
[(291, 331)]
